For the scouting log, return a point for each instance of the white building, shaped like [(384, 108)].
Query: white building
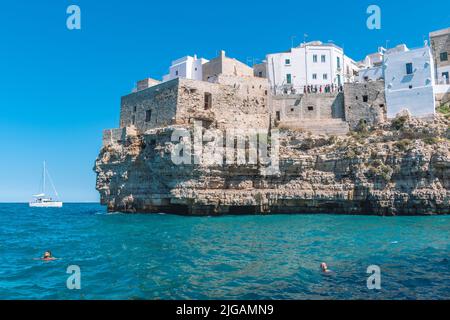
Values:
[(187, 67), (371, 68), (409, 81), (314, 63)]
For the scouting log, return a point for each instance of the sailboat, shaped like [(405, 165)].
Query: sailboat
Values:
[(41, 200)]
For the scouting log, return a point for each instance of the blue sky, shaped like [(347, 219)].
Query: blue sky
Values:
[(59, 88)]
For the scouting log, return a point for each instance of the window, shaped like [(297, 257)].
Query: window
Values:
[(323, 58), (277, 115), (315, 58), (208, 100), (288, 78), (176, 72), (134, 109), (310, 108), (409, 68), (287, 61), (338, 61), (445, 76), (314, 76), (148, 115), (444, 56), (365, 98), (325, 76), (260, 74), (133, 120)]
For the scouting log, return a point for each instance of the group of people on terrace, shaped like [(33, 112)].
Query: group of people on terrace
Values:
[(314, 89)]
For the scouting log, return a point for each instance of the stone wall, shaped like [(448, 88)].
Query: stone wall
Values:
[(234, 102), (226, 66), (321, 106), (364, 102), (440, 42), (150, 108), (117, 135)]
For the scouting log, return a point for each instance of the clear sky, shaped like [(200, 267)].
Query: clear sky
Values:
[(60, 88)]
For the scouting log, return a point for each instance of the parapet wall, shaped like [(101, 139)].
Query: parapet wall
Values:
[(320, 106), (117, 135)]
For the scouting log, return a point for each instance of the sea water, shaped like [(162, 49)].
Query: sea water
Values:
[(155, 256)]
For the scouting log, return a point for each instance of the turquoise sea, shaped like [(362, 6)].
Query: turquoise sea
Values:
[(234, 257)]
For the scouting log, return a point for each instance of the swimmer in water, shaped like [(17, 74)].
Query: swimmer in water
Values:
[(324, 268), (47, 256)]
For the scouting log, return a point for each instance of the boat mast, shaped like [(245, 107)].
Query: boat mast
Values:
[(43, 173)]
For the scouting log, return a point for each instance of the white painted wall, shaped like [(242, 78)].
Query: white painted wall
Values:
[(186, 67), (374, 73), (305, 69), (414, 92)]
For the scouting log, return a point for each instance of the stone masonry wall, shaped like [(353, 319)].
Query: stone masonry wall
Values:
[(309, 107), (160, 100), (234, 102), (440, 43), (364, 102)]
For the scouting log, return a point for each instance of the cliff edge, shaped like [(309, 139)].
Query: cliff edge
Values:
[(399, 167)]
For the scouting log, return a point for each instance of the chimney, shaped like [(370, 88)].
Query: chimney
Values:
[(222, 54)]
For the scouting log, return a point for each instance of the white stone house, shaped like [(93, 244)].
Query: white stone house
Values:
[(186, 67), (313, 63), (409, 81), (371, 68)]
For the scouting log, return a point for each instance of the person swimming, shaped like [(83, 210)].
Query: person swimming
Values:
[(48, 256), (324, 268)]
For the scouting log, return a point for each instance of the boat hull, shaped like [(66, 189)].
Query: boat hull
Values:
[(53, 204)]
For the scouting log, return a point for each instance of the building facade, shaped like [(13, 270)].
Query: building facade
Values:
[(225, 66), (187, 68), (371, 68), (310, 64), (409, 81), (440, 45)]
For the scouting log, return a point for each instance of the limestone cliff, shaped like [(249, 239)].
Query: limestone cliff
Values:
[(394, 168)]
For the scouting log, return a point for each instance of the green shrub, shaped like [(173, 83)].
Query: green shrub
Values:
[(444, 109), (431, 140), (403, 145), (399, 123), (378, 170)]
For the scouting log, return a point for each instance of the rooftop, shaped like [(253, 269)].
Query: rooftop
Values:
[(440, 32)]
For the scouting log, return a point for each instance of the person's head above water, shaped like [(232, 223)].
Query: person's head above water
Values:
[(47, 254), (324, 267)]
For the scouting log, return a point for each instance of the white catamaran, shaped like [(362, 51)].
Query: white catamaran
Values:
[(41, 200)]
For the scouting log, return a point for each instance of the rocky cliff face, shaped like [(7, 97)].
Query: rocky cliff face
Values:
[(396, 168)]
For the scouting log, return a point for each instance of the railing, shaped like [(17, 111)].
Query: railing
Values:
[(309, 89)]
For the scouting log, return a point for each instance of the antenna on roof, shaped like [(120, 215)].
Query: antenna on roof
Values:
[(304, 37), (292, 41)]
